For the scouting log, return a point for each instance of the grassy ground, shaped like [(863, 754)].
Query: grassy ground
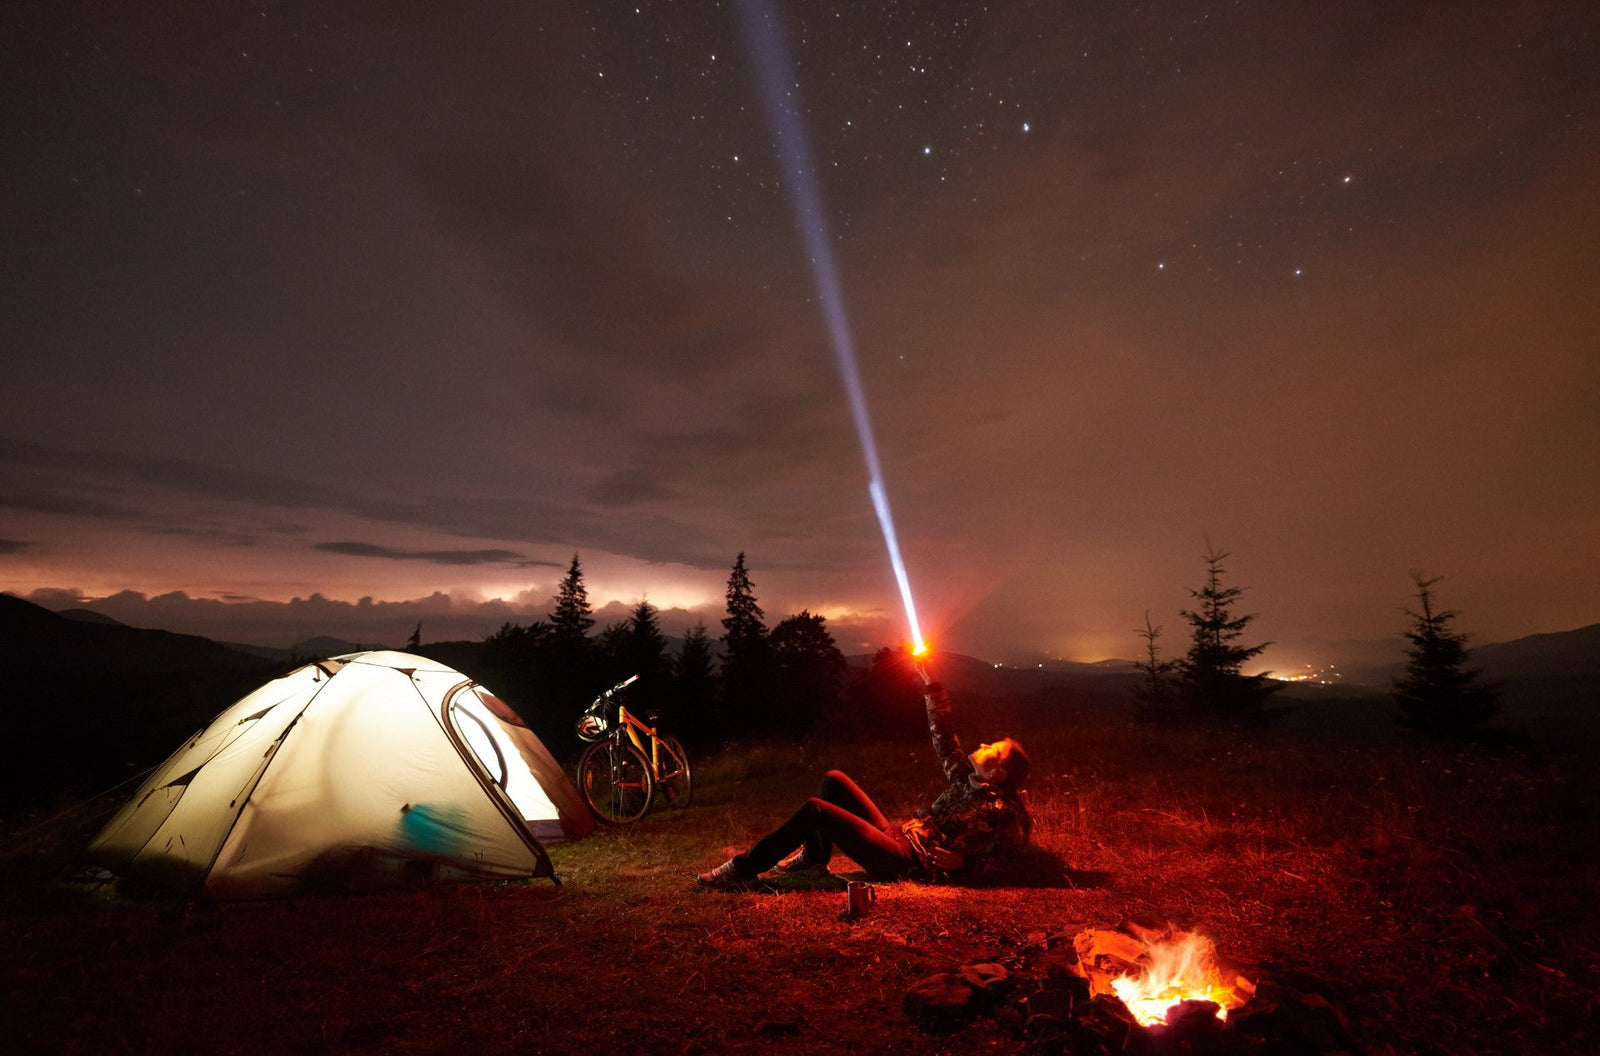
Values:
[(1442, 898)]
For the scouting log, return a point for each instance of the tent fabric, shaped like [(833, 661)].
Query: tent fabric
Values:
[(368, 770)]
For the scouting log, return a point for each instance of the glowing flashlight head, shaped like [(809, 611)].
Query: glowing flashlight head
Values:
[(919, 649)]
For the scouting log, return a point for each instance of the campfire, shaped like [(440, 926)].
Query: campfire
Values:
[(1132, 990), (1152, 971)]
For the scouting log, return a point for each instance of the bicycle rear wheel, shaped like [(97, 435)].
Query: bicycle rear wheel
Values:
[(616, 783), (673, 779)]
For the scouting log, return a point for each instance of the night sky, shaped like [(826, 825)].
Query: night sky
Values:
[(345, 301)]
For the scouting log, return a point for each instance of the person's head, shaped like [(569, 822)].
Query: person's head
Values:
[(1002, 764)]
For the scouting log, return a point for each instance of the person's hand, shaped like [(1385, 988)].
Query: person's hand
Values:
[(945, 860)]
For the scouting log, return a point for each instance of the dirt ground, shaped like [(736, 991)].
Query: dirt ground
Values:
[(1441, 898)]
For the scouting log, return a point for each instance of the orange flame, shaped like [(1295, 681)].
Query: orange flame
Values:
[(1182, 970)]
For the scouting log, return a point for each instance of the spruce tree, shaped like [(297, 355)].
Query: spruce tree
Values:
[(568, 655), (613, 646), (1156, 695), (647, 644), (1439, 694), (693, 686), (1210, 681), (644, 653), (515, 664), (745, 668), (808, 671), (571, 618)]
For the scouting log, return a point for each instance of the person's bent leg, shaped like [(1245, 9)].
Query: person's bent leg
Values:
[(838, 788), (823, 827)]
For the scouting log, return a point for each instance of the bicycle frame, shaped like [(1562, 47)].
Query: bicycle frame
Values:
[(621, 783), (637, 732), (629, 723)]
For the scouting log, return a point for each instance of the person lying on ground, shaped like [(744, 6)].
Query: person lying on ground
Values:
[(977, 820)]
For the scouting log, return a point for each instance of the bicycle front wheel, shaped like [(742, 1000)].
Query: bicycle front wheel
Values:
[(673, 777), (616, 783)]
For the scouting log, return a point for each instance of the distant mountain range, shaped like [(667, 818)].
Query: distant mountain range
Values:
[(310, 649), (87, 700), (1575, 652), (33, 638), (1539, 676), (1546, 674), (123, 695), (1566, 656)]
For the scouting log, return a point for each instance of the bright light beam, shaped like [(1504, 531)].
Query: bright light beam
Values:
[(780, 95)]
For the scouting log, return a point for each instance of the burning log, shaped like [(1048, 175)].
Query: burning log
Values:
[(1153, 971), (1184, 1000)]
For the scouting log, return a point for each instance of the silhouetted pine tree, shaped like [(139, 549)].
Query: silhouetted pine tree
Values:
[(648, 644), (808, 671), (636, 646), (569, 660), (514, 666), (694, 687), (1438, 694), (1210, 683), (571, 618), (1157, 695), (611, 646), (745, 658)]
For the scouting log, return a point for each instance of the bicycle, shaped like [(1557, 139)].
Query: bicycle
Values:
[(618, 775)]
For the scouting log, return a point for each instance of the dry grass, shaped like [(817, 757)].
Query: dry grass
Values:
[(1442, 899)]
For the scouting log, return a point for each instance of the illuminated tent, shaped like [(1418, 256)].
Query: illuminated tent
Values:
[(368, 770)]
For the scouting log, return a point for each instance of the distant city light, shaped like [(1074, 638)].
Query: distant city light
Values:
[(1321, 676)]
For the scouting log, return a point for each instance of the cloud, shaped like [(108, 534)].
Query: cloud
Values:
[(12, 546), (57, 500), (220, 534), (628, 487), (438, 557), (697, 494), (56, 598), (283, 624), (110, 471)]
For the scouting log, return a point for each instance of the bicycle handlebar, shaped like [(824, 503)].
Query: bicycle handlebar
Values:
[(614, 690)]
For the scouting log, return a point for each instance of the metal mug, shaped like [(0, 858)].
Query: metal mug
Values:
[(859, 898)]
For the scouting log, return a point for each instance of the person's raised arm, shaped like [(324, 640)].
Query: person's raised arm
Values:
[(937, 704)]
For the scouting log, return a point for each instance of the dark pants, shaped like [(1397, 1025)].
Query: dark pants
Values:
[(839, 817)]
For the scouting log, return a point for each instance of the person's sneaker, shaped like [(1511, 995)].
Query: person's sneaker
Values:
[(802, 864), (723, 878)]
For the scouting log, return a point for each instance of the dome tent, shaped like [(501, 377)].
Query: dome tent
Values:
[(367, 770)]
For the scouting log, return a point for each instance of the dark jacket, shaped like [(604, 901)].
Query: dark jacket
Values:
[(980, 822)]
